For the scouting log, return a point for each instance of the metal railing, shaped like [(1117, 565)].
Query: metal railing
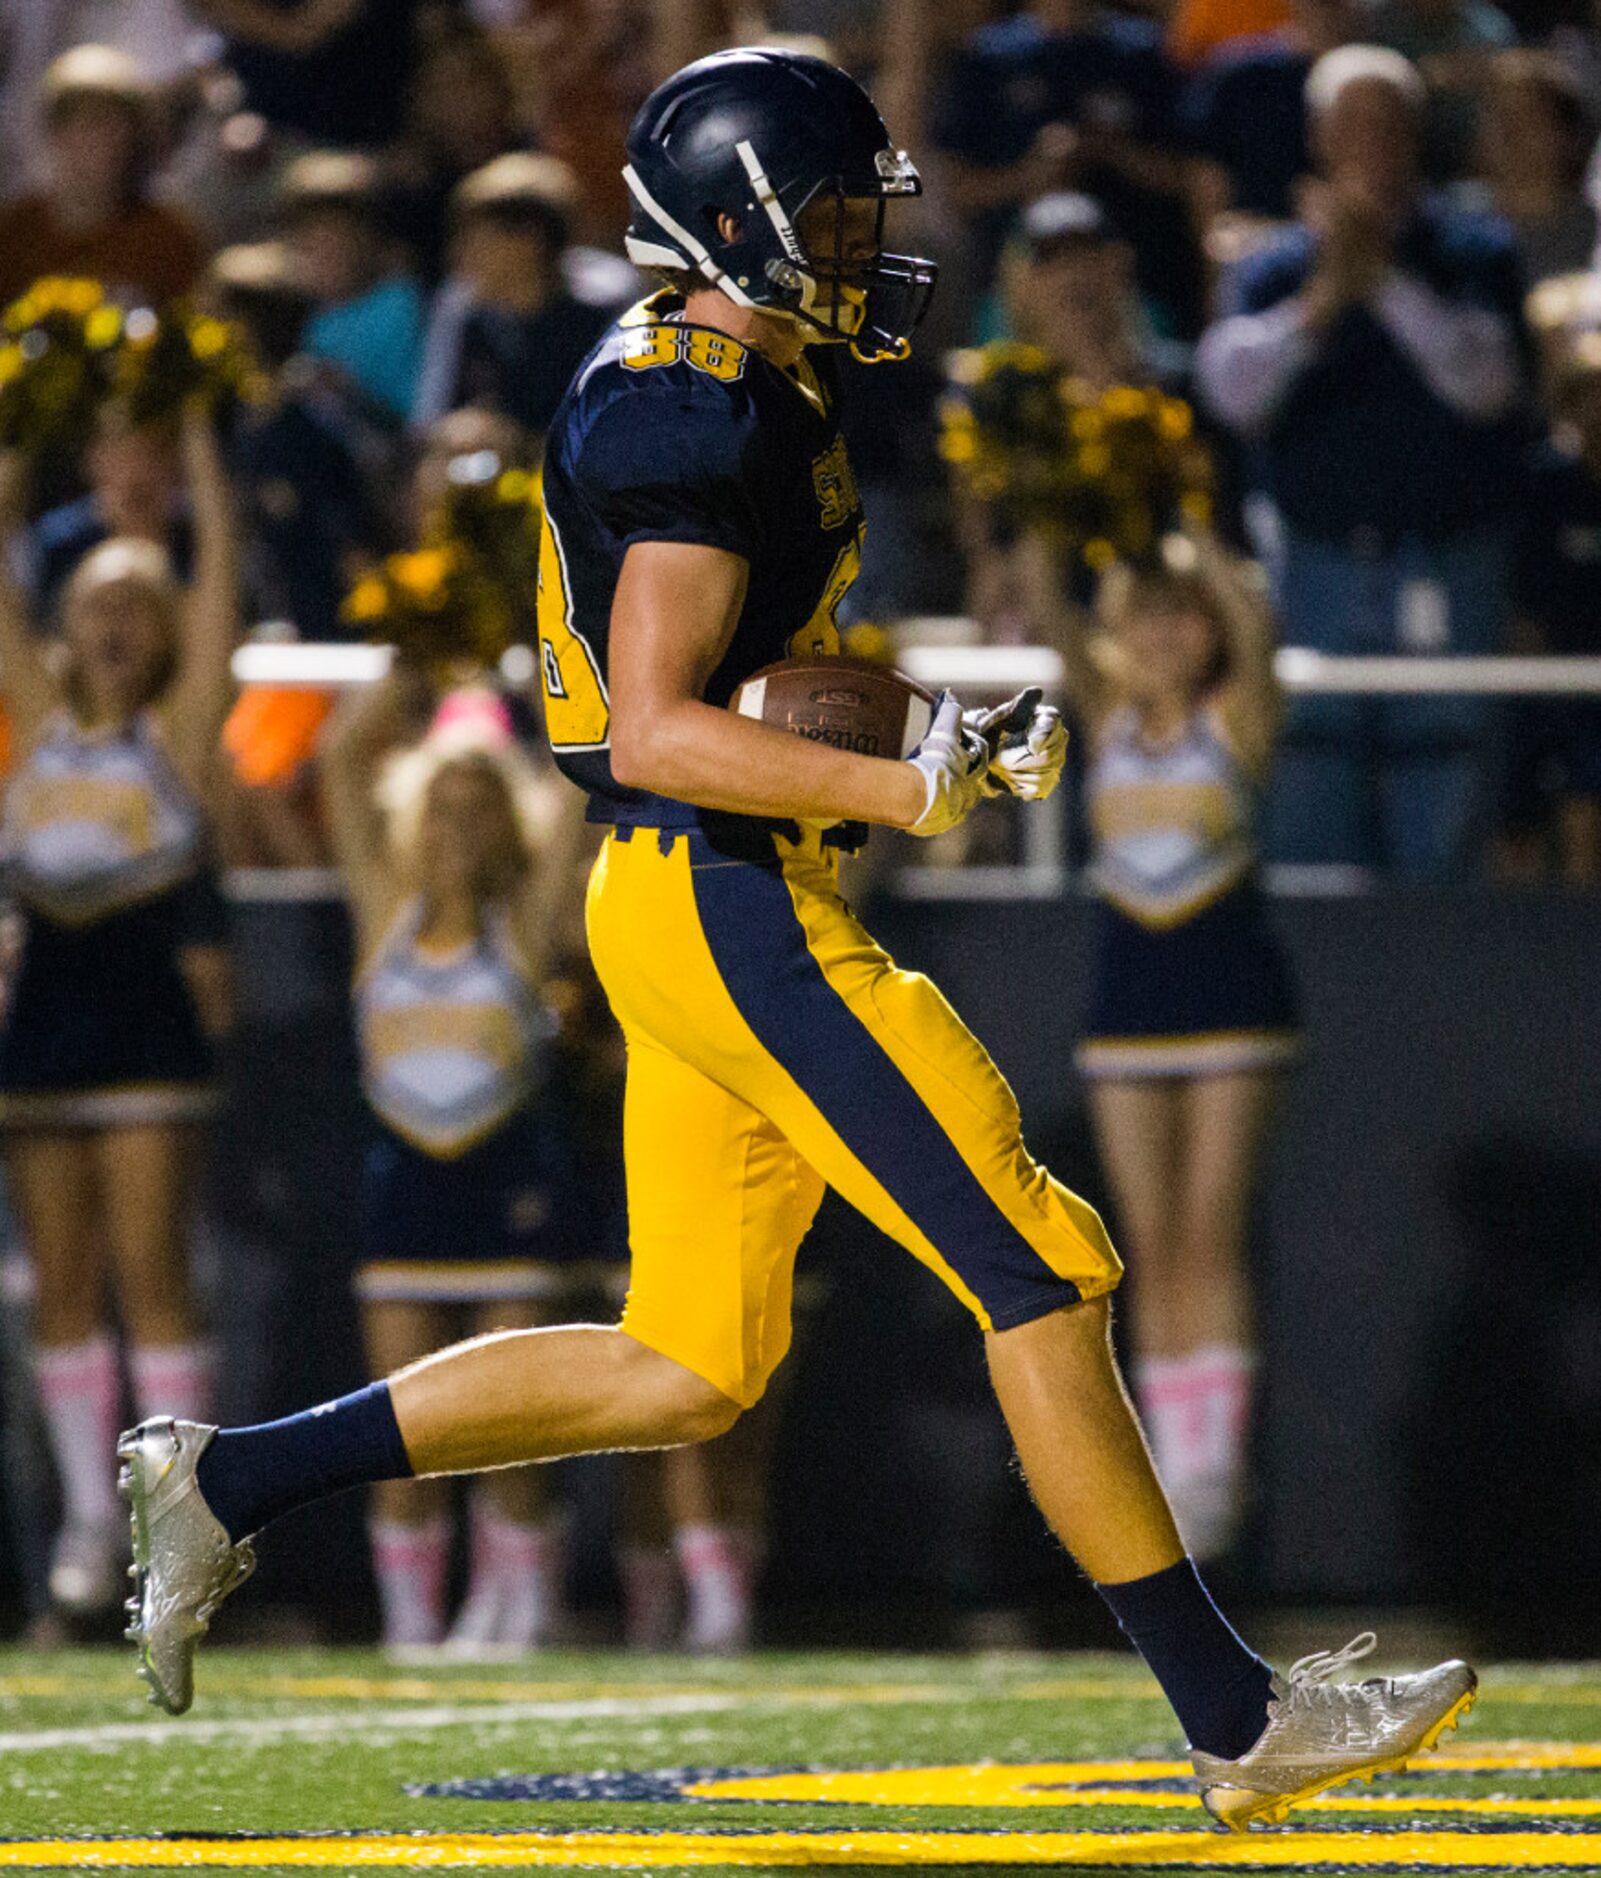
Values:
[(938, 651), (944, 660)]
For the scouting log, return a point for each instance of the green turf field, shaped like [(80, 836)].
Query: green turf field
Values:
[(1064, 1760)]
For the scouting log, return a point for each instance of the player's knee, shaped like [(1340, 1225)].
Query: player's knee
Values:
[(702, 1413), (676, 1406)]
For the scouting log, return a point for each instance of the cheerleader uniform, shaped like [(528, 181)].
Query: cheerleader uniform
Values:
[(1188, 980), (466, 1189), (107, 858)]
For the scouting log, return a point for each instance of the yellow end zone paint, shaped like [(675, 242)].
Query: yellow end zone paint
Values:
[(1105, 1783), (1194, 1851)]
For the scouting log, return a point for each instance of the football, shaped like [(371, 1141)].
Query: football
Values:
[(849, 703)]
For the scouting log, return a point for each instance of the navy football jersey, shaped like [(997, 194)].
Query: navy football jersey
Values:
[(672, 432)]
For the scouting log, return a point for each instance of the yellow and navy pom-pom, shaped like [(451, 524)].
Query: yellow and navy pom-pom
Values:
[(66, 351), (1106, 475), (457, 602)]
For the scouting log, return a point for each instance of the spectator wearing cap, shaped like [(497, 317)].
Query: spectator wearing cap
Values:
[(306, 496), (368, 315), (1375, 360), (521, 309), (1068, 288), (330, 72), (1245, 113), (1064, 95), (92, 216), (1536, 132)]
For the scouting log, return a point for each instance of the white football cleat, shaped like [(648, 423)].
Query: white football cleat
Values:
[(1320, 1733), (184, 1563)]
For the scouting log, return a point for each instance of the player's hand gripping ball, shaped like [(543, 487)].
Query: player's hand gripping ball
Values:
[(873, 711), (1028, 745), (1018, 747)]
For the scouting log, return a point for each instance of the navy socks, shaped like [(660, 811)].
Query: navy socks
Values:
[(252, 1475), (1218, 1688)]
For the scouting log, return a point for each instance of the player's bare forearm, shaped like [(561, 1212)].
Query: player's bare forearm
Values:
[(673, 619), (695, 752)]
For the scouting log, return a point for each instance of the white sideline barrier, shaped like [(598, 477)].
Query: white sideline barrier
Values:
[(1318, 673), (940, 653), (1009, 668)]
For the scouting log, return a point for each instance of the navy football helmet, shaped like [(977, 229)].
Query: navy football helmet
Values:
[(760, 135)]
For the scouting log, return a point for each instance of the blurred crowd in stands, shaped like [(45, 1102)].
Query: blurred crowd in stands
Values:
[(1374, 291), (1315, 278)]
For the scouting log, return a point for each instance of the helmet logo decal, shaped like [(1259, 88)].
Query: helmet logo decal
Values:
[(898, 173)]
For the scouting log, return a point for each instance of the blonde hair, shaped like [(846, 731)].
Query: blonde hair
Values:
[(408, 777), (1175, 581), (144, 566)]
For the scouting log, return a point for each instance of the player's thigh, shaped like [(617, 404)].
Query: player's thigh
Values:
[(1227, 1118), (50, 1179), (1139, 1133), (761, 978), (886, 1092), (718, 1203)]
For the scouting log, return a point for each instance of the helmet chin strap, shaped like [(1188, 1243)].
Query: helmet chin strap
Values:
[(901, 349), (823, 333)]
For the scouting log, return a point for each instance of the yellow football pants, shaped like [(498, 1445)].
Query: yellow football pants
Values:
[(774, 1049)]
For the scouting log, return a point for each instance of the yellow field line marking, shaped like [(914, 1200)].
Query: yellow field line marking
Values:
[(1344, 1802), (1205, 1851), (1020, 1785)]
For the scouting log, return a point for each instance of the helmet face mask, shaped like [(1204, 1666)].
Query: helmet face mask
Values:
[(731, 155), (850, 292)]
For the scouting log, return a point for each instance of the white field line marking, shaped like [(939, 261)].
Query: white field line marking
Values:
[(395, 1721)]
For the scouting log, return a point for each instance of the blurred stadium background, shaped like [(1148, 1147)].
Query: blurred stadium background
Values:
[(407, 218)]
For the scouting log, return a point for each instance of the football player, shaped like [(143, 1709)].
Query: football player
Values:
[(703, 522)]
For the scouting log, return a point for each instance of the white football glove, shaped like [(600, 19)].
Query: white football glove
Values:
[(952, 760), (1027, 742)]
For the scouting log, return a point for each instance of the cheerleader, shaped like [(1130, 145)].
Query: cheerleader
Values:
[(107, 1056), (1191, 1021), (452, 852)]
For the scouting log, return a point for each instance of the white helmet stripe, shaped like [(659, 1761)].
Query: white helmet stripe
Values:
[(693, 249), (651, 253), (768, 198)]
